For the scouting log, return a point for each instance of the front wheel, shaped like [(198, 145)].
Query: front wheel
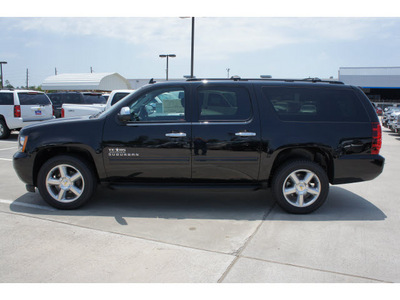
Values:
[(300, 187), (66, 182)]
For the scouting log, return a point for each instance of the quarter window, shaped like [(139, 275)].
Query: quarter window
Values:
[(316, 104), (223, 104)]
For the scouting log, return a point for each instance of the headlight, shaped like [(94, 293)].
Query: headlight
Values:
[(22, 140)]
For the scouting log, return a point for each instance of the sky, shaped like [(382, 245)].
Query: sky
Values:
[(249, 46)]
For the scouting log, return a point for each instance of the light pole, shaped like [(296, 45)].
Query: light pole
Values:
[(1, 72), (192, 48), (192, 51), (167, 56)]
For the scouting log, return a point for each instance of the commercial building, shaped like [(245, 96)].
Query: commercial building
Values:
[(380, 84)]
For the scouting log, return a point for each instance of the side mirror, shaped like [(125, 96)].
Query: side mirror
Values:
[(124, 114)]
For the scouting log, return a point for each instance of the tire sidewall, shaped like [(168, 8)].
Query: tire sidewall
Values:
[(81, 166), (285, 171), (6, 131)]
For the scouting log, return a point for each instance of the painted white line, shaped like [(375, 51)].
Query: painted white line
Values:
[(8, 148), (6, 159), (48, 208)]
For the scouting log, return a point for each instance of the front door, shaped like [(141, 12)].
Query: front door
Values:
[(155, 144)]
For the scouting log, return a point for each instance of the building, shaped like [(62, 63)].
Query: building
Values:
[(380, 84), (86, 82)]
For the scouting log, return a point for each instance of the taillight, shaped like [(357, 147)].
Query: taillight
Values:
[(17, 111), (376, 138), (53, 109), (62, 113)]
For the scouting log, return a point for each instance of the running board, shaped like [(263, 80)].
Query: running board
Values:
[(177, 186)]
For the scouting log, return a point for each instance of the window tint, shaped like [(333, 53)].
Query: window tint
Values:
[(161, 105), (224, 104), (6, 99), (59, 99), (94, 99), (117, 97), (316, 104), (33, 99)]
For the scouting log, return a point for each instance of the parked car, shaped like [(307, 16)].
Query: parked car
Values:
[(75, 110), (237, 133), (59, 98), (389, 115), (19, 108), (377, 109)]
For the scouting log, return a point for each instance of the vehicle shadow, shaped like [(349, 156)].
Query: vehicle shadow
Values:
[(341, 205), (198, 204), (13, 136)]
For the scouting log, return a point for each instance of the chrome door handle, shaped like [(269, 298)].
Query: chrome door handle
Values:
[(175, 134), (245, 134)]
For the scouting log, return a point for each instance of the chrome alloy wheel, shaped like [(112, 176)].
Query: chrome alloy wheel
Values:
[(301, 188), (65, 183)]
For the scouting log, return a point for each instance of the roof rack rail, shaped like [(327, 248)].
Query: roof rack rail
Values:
[(237, 78)]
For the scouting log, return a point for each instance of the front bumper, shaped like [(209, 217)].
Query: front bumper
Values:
[(23, 166)]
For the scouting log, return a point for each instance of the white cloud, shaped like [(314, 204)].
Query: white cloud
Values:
[(215, 38)]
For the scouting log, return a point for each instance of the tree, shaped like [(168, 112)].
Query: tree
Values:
[(8, 85)]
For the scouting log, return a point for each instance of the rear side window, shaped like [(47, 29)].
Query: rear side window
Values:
[(6, 99), (223, 104), (316, 104), (33, 99)]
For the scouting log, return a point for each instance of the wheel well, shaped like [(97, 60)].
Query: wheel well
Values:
[(311, 154), (46, 154)]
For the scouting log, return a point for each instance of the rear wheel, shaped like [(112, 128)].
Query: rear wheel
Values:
[(300, 187), (4, 131), (66, 182)]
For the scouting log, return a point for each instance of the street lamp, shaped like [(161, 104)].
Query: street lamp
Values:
[(167, 56), (1, 72)]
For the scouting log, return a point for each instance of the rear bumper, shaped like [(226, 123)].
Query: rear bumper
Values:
[(356, 168)]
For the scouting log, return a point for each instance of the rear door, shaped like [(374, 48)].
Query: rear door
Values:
[(226, 134), (35, 106)]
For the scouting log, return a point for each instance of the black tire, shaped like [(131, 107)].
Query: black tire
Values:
[(66, 182), (4, 131), (305, 196)]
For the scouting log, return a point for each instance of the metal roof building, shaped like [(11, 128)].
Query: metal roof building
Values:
[(379, 83), (86, 82)]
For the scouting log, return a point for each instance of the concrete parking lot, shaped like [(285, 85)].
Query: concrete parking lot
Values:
[(188, 235)]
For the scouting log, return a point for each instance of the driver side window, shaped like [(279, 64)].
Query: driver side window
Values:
[(160, 105)]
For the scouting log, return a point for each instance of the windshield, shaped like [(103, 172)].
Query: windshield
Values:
[(94, 99), (119, 104), (59, 99)]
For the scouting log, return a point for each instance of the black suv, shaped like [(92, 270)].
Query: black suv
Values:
[(293, 136)]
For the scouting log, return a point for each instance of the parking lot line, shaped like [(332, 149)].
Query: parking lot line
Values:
[(27, 205), (6, 159), (8, 148)]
